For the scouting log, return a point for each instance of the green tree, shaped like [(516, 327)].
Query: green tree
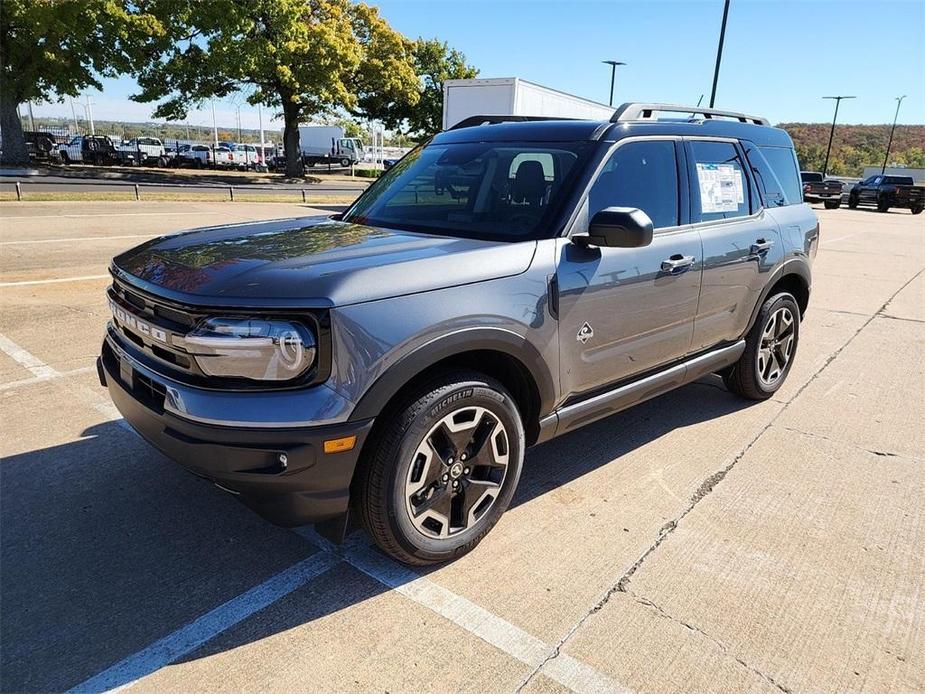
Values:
[(435, 63), (305, 57), (50, 49)]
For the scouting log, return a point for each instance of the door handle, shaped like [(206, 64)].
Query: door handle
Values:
[(761, 246), (677, 263)]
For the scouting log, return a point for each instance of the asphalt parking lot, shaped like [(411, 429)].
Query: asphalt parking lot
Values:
[(696, 542)]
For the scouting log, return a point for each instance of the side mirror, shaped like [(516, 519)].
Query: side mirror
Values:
[(617, 227)]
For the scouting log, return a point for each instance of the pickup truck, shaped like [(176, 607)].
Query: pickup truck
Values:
[(146, 150), (884, 192), (817, 188)]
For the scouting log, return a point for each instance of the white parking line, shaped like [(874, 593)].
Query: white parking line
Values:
[(33, 364), (47, 377), (190, 637), (54, 281), (76, 238)]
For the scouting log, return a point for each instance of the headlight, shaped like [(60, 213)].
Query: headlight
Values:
[(262, 350)]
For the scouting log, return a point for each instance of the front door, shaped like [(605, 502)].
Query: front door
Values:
[(625, 311)]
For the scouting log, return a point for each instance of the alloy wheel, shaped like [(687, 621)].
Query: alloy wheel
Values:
[(457, 472), (776, 349)]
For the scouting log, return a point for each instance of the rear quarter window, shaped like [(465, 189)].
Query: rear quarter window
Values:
[(783, 162)]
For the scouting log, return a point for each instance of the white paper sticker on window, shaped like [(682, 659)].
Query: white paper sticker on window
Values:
[(721, 187)]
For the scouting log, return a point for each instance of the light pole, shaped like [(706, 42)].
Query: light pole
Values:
[(90, 115), (825, 167), (899, 101), (719, 52), (613, 74)]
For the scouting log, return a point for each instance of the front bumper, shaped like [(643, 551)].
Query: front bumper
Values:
[(312, 486)]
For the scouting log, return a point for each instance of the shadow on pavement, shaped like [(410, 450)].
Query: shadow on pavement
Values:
[(106, 547)]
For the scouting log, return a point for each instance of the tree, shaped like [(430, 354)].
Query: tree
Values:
[(305, 57), (49, 50), (434, 62)]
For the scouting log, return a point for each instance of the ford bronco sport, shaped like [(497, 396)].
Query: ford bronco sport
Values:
[(508, 281)]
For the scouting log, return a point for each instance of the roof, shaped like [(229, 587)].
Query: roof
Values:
[(578, 130)]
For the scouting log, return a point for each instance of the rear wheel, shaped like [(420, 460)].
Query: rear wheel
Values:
[(770, 347), (852, 201), (832, 204), (345, 162), (883, 204), (442, 470), (918, 209)]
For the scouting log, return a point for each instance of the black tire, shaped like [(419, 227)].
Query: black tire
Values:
[(852, 202), (746, 377), (394, 456), (65, 159), (345, 163), (310, 164), (918, 210), (832, 204), (883, 205)]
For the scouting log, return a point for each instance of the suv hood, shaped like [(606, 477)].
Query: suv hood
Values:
[(311, 262)]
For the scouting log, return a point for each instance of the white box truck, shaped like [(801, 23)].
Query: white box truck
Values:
[(512, 96), (326, 144)]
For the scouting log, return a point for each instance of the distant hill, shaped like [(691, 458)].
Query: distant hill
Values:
[(856, 146)]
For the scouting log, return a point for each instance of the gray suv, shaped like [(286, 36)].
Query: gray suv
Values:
[(506, 282)]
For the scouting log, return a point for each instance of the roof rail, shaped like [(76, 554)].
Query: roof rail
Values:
[(472, 121), (636, 111)]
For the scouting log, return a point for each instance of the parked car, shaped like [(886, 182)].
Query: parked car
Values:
[(147, 151), (502, 285), (41, 146), (94, 149), (197, 156), (816, 188), (886, 191)]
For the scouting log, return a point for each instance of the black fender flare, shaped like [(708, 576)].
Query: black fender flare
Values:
[(794, 266), (502, 340)]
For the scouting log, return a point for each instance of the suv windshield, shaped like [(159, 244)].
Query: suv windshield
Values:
[(490, 190)]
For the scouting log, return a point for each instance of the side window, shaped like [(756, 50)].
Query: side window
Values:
[(719, 179), (771, 190), (642, 175), (784, 164)]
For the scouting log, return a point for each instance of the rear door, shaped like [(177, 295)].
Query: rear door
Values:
[(625, 311), (741, 242)]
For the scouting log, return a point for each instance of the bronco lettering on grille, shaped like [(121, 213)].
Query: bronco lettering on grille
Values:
[(133, 323)]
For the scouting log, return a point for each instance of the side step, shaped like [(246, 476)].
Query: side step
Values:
[(605, 404)]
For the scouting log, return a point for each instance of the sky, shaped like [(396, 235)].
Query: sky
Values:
[(779, 58)]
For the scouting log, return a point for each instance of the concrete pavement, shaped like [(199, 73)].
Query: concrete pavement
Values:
[(696, 542)]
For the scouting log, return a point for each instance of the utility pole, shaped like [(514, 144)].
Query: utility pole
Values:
[(719, 52), (825, 167), (613, 75), (262, 156), (90, 115), (899, 101), (31, 118), (239, 121), (214, 126), (74, 114)]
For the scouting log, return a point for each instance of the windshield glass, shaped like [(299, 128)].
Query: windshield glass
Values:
[(810, 177), (492, 190)]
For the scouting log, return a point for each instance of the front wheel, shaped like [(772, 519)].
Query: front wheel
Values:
[(345, 163), (442, 470), (918, 209), (852, 202), (770, 347), (883, 205)]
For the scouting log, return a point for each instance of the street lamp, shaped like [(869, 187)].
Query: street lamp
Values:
[(825, 167), (899, 101), (613, 74)]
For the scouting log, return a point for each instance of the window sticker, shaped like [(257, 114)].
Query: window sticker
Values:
[(721, 187)]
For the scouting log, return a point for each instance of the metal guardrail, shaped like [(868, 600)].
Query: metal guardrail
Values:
[(136, 188)]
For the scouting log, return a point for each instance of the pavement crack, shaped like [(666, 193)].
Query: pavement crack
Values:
[(722, 646), (823, 437)]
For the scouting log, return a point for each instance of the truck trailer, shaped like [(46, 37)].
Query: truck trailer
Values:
[(512, 96)]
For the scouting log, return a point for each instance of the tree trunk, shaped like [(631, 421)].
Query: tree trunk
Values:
[(14, 144), (291, 139)]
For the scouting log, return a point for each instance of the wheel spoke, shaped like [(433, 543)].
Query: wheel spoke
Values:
[(472, 501), (438, 503), (784, 323)]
